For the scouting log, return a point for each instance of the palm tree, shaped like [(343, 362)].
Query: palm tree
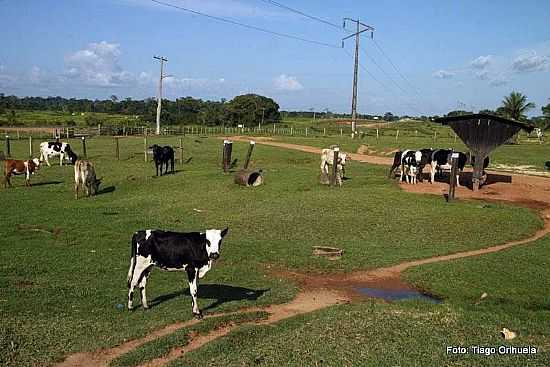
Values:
[(515, 106)]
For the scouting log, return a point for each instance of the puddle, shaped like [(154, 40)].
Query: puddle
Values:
[(397, 294)]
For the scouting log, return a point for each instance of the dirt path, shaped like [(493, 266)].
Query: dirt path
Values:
[(324, 290)]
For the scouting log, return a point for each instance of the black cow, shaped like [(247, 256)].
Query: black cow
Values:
[(163, 156), (441, 160), (192, 252)]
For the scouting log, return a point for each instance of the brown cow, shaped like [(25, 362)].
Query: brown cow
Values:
[(19, 167), (84, 175)]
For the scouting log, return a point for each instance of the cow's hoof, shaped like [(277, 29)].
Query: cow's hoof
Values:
[(198, 316)]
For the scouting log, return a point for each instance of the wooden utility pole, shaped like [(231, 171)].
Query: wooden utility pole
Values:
[(159, 102), (355, 67)]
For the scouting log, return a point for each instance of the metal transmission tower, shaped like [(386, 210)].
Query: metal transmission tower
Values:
[(159, 102), (356, 66)]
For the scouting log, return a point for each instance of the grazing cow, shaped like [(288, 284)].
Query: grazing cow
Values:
[(19, 167), (162, 156), (84, 175), (327, 160), (52, 149), (192, 252), (441, 160)]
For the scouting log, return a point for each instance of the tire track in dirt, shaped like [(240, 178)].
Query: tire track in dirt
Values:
[(324, 290)]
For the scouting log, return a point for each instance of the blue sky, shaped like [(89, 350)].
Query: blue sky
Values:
[(453, 54)]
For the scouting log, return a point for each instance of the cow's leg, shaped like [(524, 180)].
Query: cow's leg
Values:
[(61, 156), (141, 265), (458, 180), (27, 176), (432, 173), (173, 165), (47, 160), (142, 285), (193, 275), (401, 174)]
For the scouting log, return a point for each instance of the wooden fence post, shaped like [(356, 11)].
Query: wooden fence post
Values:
[(249, 153), (84, 153), (306, 131), (18, 135), (227, 148), (145, 147), (30, 146), (452, 177), (117, 150), (341, 132), (435, 135), (181, 150), (334, 166), (377, 136), (397, 135), (99, 129), (8, 148)]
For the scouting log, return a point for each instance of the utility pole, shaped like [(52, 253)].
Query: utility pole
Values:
[(159, 102), (356, 67)]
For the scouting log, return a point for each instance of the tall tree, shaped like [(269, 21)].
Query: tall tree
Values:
[(515, 106)]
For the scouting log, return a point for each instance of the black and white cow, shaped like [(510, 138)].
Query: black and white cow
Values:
[(192, 252), (410, 162), (441, 160), (52, 149)]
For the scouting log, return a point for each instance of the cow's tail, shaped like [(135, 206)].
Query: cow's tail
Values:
[(133, 254)]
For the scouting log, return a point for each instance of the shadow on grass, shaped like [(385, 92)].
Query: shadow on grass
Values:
[(46, 183), (221, 293), (106, 190)]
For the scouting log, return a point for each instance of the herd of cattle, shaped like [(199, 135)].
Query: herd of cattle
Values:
[(413, 162), (195, 252)]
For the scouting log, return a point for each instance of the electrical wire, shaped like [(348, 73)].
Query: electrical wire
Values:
[(230, 21)]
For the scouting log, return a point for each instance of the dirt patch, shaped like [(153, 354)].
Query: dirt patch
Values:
[(306, 301)]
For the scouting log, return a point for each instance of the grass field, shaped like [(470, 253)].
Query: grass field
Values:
[(64, 262), (58, 118)]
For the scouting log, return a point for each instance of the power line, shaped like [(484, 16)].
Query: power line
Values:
[(230, 21), (383, 85), (393, 65), (386, 73), (313, 17)]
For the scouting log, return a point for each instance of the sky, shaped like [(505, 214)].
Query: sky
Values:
[(425, 58)]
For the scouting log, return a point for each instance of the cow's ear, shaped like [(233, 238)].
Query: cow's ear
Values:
[(224, 232)]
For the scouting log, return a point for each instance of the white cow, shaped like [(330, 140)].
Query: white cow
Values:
[(327, 161)]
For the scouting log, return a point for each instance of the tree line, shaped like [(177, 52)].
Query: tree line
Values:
[(248, 109)]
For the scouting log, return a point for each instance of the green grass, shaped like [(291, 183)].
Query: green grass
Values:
[(59, 292), (58, 118), (410, 333), (161, 347)]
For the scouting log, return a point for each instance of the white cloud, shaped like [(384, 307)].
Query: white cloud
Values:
[(481, 62), (285, 82), (443, 74), (482, 75), (98, 65), (530, 62)]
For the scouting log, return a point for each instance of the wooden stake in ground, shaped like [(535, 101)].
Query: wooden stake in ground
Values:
[(249, 153), (227, 149), (145, 147), (30, 146), (452, 177), (181, 151), (117, 150), (7, 146), (333, 179), (84, 153)]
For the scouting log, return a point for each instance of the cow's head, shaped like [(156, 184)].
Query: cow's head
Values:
[(343, 158), (214, 241), (95, 185), (71, 156), (36, 162)]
